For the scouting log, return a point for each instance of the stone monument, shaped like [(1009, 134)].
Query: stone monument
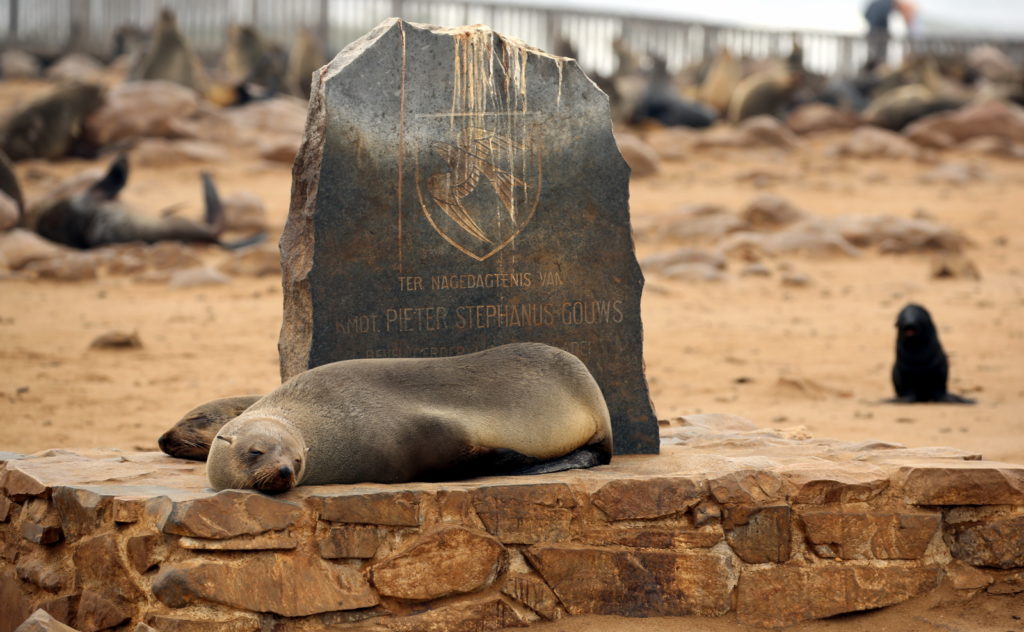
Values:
[(457, 190)]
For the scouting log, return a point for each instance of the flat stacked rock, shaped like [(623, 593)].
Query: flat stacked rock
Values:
[(772, 525)]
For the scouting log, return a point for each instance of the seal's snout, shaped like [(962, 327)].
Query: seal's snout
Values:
[(274, 480)]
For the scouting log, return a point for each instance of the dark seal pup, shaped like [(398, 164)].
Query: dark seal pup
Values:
[(921, 369), (524, 408), (190, 438)]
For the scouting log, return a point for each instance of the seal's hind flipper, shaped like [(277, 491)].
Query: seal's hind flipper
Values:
[(214, 209), (587, 456), (113, 181), (950, 398), (476, 462)]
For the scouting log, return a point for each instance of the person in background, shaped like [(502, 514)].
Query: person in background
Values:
[(877, 16)]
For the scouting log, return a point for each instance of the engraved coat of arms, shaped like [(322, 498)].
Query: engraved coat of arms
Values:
[(478, 176), (485, 191)]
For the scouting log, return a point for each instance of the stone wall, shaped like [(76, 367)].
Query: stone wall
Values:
[(774, 527)]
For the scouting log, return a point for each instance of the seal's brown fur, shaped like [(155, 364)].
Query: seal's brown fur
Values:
[(190, 438), (510, 409)]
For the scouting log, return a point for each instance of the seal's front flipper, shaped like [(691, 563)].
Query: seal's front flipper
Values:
[(903, 399), (587, 456), (950, 398)]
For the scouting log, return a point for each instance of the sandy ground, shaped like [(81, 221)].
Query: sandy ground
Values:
[(816, 357)]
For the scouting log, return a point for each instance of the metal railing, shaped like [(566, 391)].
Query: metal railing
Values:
[(52, 26)]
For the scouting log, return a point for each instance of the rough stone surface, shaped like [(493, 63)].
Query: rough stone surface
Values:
[(783, 595), (228, 514), (351, 540), (760, 535), (81, 511), (747, 488), (44, 573), (17, 606), (100, 566), (488, 614), (637, 583), (448, 561), (400, 510), (773, 524), (455, 190), (97, 611), (965, 484), (534, 594), (859, 535), (166, 623), (997, 543), (525, 514), (42, 621), (272, 541), (840, 484), (640, 499), (145, 552), (291, 586), (62, 608), (1011, 584), (965, 577)]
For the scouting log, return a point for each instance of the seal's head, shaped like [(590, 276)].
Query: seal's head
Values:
[(257, 453), (915, 328), (190, 437)]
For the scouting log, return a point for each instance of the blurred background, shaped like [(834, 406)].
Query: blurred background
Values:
[(682, 33), (795, 182)]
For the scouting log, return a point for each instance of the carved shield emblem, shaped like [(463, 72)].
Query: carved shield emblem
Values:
[(479, 187)]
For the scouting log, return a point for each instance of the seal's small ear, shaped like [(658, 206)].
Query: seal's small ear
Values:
[(223, 438)]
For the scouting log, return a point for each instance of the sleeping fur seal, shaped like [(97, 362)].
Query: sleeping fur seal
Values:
[(190, 438), (521, 408), (95, 217), (921, 368)]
